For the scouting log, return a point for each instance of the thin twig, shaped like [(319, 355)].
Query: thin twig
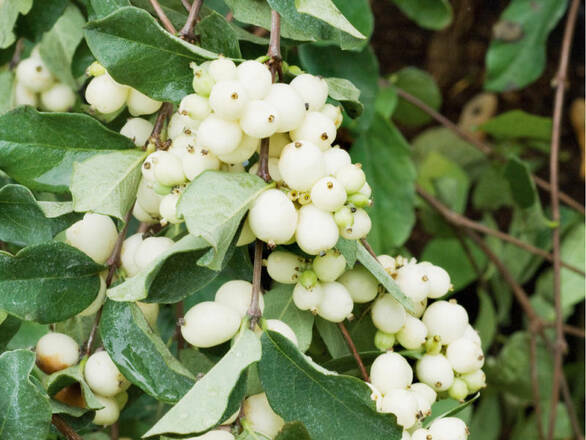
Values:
[(115, 431), (254, 312), (560, 84), (368, 248), (355, 353), (163, 17), (263, 161), (478, 144), (535, 383), (64, 428), (18, 48), (274, 51), (164, 113), (90, 340), (460, 220), (186, 5), (187, 31), (574, 331), (179, 313)]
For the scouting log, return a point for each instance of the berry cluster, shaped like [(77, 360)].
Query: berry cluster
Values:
[(36, 86)]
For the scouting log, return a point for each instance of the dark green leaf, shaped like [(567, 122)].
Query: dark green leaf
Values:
[(25, 412), (60, 139), (63, 378), (429, 14), (48, 283), (131, 44), (492, 190), (27, 335), (40, 18), (487, 420), (101, 8), (521, 183), (9, 11), (386, 160), (205, 405), (332, 338), (348, 362), (141, 355), (514, 64), (346, 94), (8, 328), (518, 124), (293, 431), (486, 321), (453, 411), (316, 396), (6, 90), (386, 102), (217, 35), (421, 85)]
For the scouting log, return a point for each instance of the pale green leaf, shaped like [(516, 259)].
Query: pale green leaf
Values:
[(9, 11), (327, 11)]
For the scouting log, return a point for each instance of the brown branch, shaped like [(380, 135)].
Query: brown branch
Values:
[(254, 312), (187, 31), (18, 48), (115, 431), (574, 331), (460, 220), (164, 113), (186, 5), (274, 51), (478, 144), (560, 345), (368, 248), (64, 428), (355, 353), (535, 383), (163, 17), (179, 313), (263, 161)]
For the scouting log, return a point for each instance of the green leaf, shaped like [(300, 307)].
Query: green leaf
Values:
[(348, 248), (6, 90), (9, 11), (116, 174), (429, 14), (293, 431), (206, 404), (492, 190), (60, 139), (452, 411), (8, 329), (486, 322), (55, 209), (279, 305), (375, 268), (317, 396), (520, 181), (487, 420), (218, 36), (420, 84), (40, 18), (386, 102), (27, 335), (348, 362), (346, 94), (59, 44), (25, 411), (516, 124), (214, 204), (47, 283), (332, 338), (512, 65), (386, 159), (141, 355), (327, 11), (131, 44), (63, 378), (101, 8)]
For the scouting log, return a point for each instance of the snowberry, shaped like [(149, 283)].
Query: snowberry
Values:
[(273, 217), (317, 129), (237, 294), (459, 390), (435, 371), (260, 415), (387, 314), (366, 190), (313, 90), (447, 320), (232, 167), (181, 124), (168, 169), (210, 323), (148, 166), (98, 301), (284, 267), (279, 326), (260, 119), (227, 99), (330, 266), (376, 396), (413, 334), (328, 194), (203, 81), (198, 160), (218, 135), (150, 249), (403, 405), (277, 142), (141, 215), (103, 376), (316, 231), (351, 177), (438, 280), (475, 380), (222, 69), (390, 371), (413, 282), (423, 405), (301, 165), (138, 130), (448, 428), (106, 95), (140, 104), (344, 218), (24, 96), (182, 145), (217, 434), (195, 107), (256, 78), (418, 308), (246, 234), (334, 112), (273, 169), (289, 105), (56, 351), (147, 198), (472, 335), (308, 298), (383, 341), (424, 391), (336, 304), (109, 414), (362, 286), (465, 356), (59, 98), (421, 434), (168, 208), (335, 159), (34, 75), (150, 312), (245, 150), (405, 435), (360, 226), (95, 235)]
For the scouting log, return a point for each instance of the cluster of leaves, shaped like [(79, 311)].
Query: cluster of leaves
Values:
[(52, 164)]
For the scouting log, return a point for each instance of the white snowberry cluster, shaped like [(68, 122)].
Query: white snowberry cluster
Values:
[(36, 86)]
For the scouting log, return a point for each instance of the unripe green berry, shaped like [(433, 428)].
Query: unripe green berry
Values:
[(458, 390), (384, 341), (330, 266), (308, 279)]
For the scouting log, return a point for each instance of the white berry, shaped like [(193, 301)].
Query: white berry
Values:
[(317, 129), (129, 247), (284, 267), (403, 405), (59, 98), (336, 304), (109, 414), (313, 90), (301, 165), (237, 294), (243, 152), (24, 96), (413, 282), (289, 105), (447, 320), (141, 215), (150, 249), (98, 301), (181, 124), (195, 107), (465, 356), (210, 323), (255, 77), (472, 335), (138, 130), (412, 335), (34, 75), (330, 267), (279, 326), (435, 371), (147, 198), (260, 415), (277, 142), (390, 371), (316, 231), (260, 119), (361, 284), (425, 391), (56, 351), (140, 104), (228, 100), (448, 428), (198, 160), (475, 380), (95, 235), (360, 227), (351, 177), (335, 159), (102, 375), (168, 208), (209, 135), (168, 169), (222, 69), (328, 194), (106, 95), (388, 315), (334, 112), (308, 299), (273, 217)]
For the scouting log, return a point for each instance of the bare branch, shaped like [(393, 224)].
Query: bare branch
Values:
[(535, 384), (355, 353), (64, 428), (187, 31), (254, 312), (164, 113), (18, 48), (163, 17)]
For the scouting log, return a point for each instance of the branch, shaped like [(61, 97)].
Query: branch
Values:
[(164, 112), (535, 383), (254, 312), (355, 353), (187, 31), (186, 5), (17, 53), (179, 313), (368, 248), (460, 220), (478, 144), (64, 428), (263, 161), (560, 345), (163, 17)]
